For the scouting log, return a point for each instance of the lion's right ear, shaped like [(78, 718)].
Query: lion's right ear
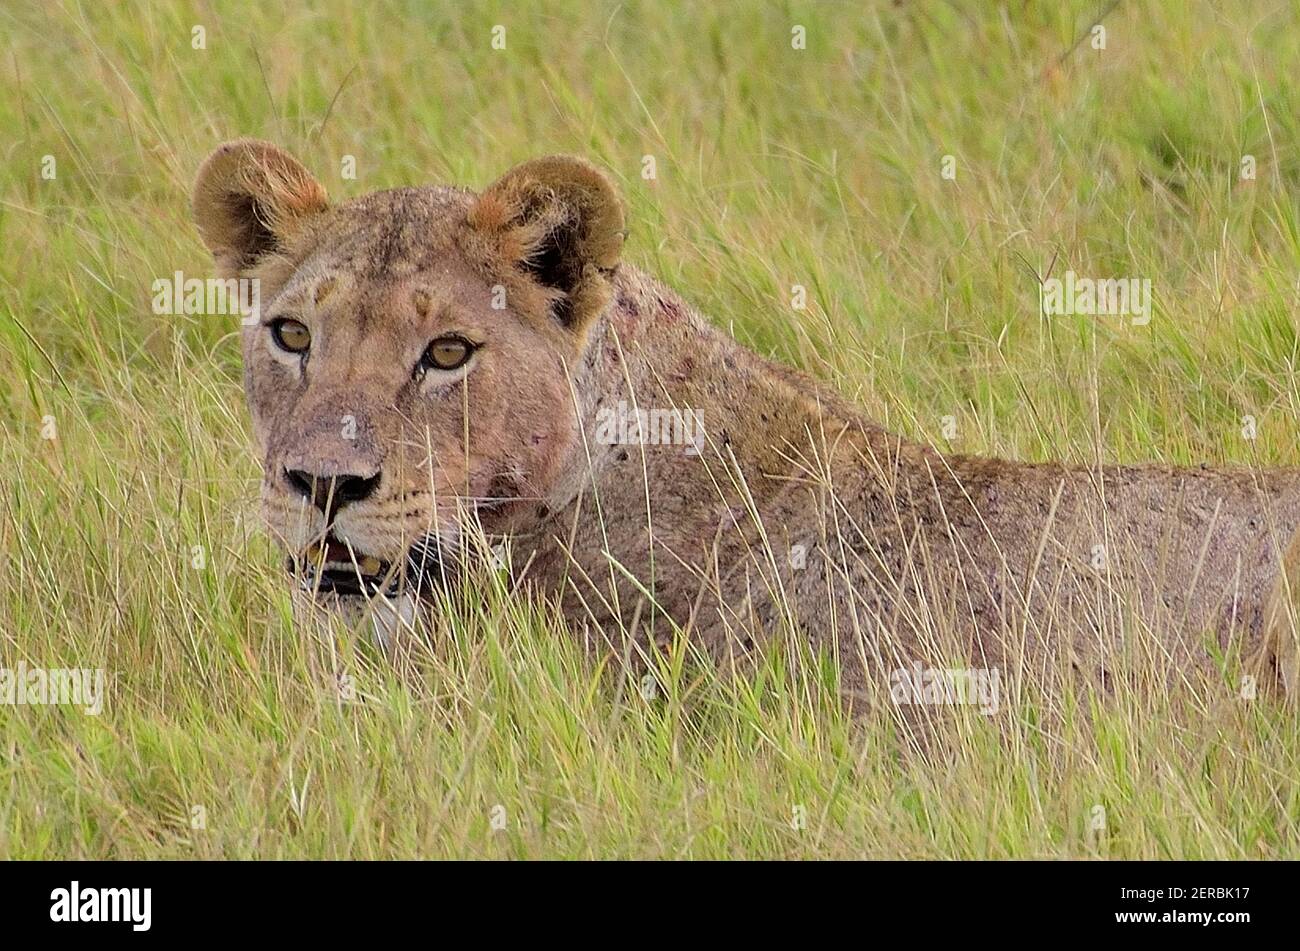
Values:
[(250, 199)]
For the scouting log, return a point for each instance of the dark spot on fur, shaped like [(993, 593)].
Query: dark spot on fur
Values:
[(502, 488), (671, 310), (385, 250)]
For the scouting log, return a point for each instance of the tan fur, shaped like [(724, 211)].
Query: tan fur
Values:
[(799, 518)]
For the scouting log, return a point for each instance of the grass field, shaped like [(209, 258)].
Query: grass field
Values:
[(775, 166)]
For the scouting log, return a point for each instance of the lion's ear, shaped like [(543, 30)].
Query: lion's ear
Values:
[(560, 221), (250, 199)]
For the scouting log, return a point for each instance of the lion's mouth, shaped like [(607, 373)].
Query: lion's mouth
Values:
[(332, 566)]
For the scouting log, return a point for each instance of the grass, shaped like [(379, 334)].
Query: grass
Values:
[(775, 167)]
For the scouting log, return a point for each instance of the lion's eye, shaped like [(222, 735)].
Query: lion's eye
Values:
[(291, 335), (448, 353)]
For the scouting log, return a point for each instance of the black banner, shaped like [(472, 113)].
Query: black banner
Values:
[(338, 900)]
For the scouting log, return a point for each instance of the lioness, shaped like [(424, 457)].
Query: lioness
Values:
[(432, 366)]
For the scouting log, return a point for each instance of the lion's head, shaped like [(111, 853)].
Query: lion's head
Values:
[(414, 360)]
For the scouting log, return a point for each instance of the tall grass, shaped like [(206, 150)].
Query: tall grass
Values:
[(775, 167)]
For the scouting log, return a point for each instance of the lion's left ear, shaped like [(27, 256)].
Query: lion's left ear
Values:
[(559, 220)]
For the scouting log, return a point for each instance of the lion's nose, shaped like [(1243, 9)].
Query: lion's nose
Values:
[(329, 493)]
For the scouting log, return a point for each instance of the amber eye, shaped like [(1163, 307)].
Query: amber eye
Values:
[(447, 353), (290, 335)]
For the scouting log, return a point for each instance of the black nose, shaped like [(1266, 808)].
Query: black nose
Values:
[(329, 493)]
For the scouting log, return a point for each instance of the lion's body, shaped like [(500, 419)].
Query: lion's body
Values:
[(801, 514), (785, 514)]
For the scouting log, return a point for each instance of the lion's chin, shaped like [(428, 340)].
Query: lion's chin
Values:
[(388, 619), (391, 618)]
